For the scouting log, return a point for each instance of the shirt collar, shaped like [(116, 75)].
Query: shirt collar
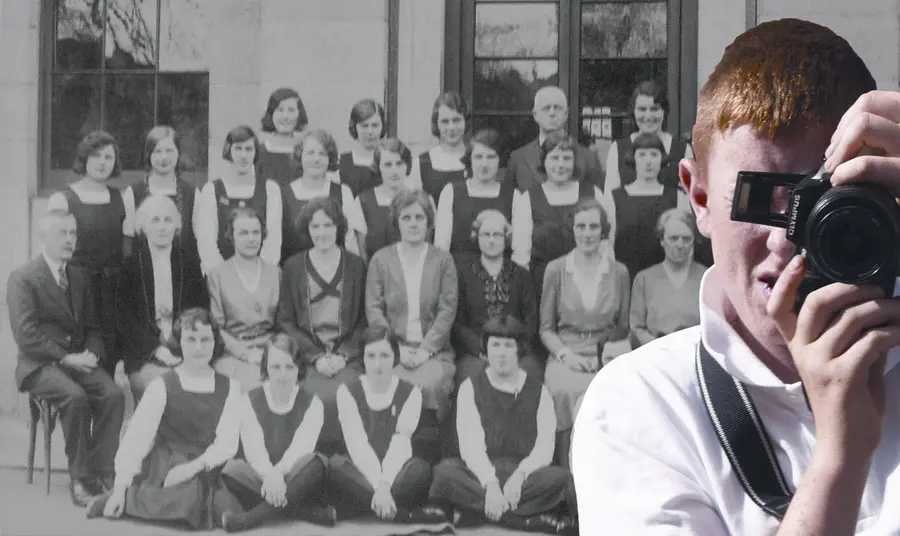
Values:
[(604, 263), (159, 254), (729, 349)]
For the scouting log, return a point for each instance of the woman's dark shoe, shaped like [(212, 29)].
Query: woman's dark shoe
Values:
[(258, 515), (95, 508), (324, 516), (80, 493)]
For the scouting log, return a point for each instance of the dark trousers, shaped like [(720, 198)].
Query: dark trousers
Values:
[(543, 491), (349, 485), (307, 476), (91, 409)]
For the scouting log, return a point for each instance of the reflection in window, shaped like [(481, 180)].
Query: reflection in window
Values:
[(184, 28), (505, 85), (624, 30), (75, 105), (183, 104), (128, 116), (79, 33), (516, 30), (131, 34)]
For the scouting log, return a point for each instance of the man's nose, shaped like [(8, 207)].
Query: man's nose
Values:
[(778, 242)]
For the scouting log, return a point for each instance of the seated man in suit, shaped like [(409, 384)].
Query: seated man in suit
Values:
[(53, 322), (551, 110)]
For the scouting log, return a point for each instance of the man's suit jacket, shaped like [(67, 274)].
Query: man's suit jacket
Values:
[(522, 168), (44, 325)]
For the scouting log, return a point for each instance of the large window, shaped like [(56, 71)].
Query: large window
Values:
[(124, 66), (499, 53)]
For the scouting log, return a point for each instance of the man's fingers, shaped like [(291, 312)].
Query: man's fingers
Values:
[(869, 168), (780, 306), (884, 104), (853, 322), (865, 130), (857, 361)]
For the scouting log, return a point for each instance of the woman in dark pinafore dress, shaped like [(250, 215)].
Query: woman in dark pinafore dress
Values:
[(542, 220), (100, 215), (285, 119), (238, 187), (186, 426), (462, 201), (378, 414), (367, 127), (392, 161), (440, 165)]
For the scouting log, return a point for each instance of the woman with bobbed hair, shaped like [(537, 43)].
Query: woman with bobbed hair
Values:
[(442, 164), (665, 296), (585, 304), (100, 217), (368, 125), (244, 295), (462, 201), (238, 187), (491, 285), (411, 288), (159, 280), (163, 163), (322, 306), (314, 157), (283, 121), (391, 162)]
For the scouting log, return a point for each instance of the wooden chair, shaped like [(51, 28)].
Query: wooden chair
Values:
[(44, 411)]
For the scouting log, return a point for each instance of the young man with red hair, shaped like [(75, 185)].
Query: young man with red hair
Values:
[(648, 454)]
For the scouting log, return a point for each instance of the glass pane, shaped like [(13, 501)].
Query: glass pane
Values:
[(79, 34), (515, 131), (606, 87), (624, 30), (131, 34), (516, 30), (502, 85), (128, 114), (184, 105), (183, 36), (74, 111)]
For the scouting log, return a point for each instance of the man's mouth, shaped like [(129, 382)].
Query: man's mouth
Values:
[(768, 283)]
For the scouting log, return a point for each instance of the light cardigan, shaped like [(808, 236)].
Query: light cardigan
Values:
[(386, 297)]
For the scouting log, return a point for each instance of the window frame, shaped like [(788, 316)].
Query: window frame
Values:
[(682, 25), (50, 180)]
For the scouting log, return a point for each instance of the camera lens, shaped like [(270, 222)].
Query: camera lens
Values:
[(854, 233)]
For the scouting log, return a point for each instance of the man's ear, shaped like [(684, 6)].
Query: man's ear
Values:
[(696, 187)]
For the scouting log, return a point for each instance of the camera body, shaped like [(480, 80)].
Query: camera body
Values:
[(849, 234)]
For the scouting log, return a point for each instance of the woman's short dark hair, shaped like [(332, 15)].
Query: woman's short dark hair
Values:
[(287, 344), (240, 134), (646, 141), (90, 144), (275, 99), (362, 111), (452, 100), (189, 319), (374, 334), (489, 213), (327, 142), (409, 198), (391, 145), (562, 142), (649, 88), (331, 208), (506, 327), (156, 135), (243, 212), (586, 204), (488, 137)]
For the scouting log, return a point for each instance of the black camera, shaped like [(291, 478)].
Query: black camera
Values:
[(849, 234)]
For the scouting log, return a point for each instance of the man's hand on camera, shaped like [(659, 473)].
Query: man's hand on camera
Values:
[(839, 342)]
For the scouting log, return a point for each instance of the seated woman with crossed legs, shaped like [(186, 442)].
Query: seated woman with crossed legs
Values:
[(506, 426), (379, 413), (280, 425)]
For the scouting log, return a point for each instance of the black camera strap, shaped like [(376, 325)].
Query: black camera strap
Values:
[(742, 435)]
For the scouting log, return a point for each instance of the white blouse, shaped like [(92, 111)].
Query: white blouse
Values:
[(303, 442), (443, 220), (412, 276), (206, 222), (162, 287), (140, 435), (357, 441)]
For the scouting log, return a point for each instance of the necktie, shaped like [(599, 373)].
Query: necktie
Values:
[(63, 278)]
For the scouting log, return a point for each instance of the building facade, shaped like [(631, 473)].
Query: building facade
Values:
[(204, 66)]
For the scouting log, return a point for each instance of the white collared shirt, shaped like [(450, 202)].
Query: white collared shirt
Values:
[(646, 459), (162, 287), (588, 285), (54, 266)]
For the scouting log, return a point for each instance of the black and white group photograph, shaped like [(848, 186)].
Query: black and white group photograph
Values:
[(472, 267)]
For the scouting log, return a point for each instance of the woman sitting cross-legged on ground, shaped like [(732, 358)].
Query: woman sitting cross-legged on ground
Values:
[(378, 414), (185, 427), (506, 426), (280, 424)]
